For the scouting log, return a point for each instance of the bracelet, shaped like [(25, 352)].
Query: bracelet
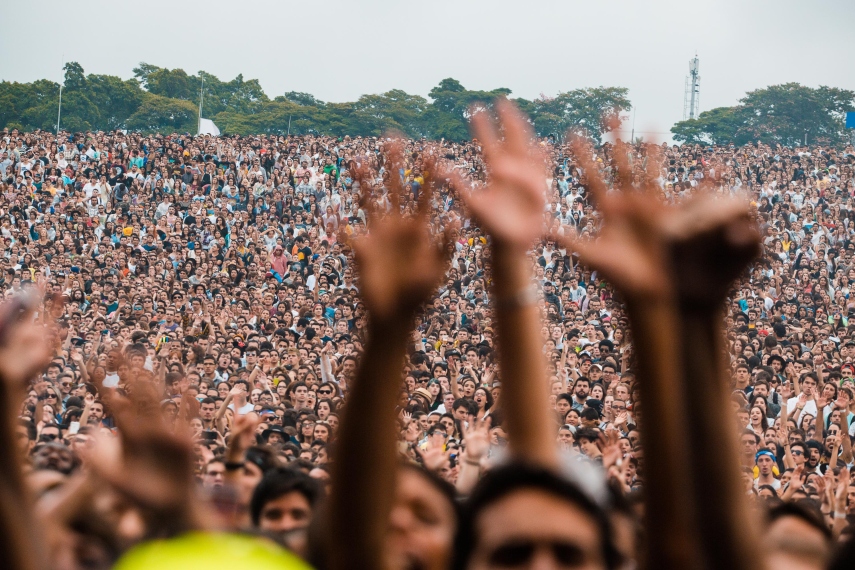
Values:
[(234, 466), (522, 298), (839, 515)]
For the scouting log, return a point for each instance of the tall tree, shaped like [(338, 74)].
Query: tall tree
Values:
[(785, 114), (589, 112), (162, 114), (721, 125)]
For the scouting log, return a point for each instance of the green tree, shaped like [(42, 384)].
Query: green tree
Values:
[(174, 83), (785, 113), (452, 104), (722, 125), (162, 114), (29, 105), (301, 98), (75, 78), (393, 110), (589, 112), (782, 114), (116, 99)]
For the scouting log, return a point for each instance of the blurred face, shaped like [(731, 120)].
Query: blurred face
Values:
[(421, 525), (532, 529), (289, 512), (215, 473)]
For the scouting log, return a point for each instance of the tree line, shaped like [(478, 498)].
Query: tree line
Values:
[(788, 114), (158, 99), (167, 100)]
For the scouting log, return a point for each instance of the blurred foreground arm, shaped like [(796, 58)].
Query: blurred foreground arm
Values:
[(662, 260), (400, 265), (511, 210), (25, 350)]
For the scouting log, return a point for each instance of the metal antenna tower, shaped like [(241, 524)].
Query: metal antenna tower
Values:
[(692, 93)]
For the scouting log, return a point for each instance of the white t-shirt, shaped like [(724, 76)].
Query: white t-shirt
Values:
[(243, 410), (775, 484), (111, 380), (810, 408)]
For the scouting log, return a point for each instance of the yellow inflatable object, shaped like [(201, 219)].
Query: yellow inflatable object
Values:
[(210, 551)]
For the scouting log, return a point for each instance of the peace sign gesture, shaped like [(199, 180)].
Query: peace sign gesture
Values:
[(400, 261), (511, 208), (653, 250)]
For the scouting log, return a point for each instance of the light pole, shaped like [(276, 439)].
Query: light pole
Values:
[(201, 98), (61, 83)]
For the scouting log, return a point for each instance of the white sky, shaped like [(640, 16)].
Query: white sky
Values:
[(340, 49)]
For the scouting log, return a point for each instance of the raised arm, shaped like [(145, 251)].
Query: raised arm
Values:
[(673, 265), (511, 210), (24, 352), (400, 265)]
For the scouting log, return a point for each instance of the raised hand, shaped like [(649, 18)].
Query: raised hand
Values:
[(476, 437), (841, 490), (511, 208), (650, 249), (25, 348), (154, 464), (400, 262)]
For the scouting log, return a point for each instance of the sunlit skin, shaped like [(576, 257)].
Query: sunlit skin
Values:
[(534, 518)]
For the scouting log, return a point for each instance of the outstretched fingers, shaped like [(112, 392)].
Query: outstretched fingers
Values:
[(394, 164), (367, 201), (485, 131), (595, 184), (427, 190), (516, 128)]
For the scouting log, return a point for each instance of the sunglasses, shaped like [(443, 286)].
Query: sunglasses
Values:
[(521, 553)]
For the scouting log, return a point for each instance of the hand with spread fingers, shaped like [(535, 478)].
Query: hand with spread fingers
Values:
[(650, 249), (400, 261), (511, 208), (154, 465), (25, 347)]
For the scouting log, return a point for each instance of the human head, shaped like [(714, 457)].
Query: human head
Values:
[(521, 515)]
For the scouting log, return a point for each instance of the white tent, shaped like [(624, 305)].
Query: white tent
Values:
[(207, 127)]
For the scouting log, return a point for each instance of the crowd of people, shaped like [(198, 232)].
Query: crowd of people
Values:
[(414, 354)]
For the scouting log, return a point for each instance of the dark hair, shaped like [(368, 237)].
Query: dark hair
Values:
[(587, 433), (463, 402), (32, 432), (800, 444), (805, 510), (281, 481), (513, 477), (590, 414)]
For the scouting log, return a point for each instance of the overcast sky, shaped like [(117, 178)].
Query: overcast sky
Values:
[(340, 49)]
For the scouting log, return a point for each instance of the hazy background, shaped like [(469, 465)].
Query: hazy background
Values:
[(338, 50)]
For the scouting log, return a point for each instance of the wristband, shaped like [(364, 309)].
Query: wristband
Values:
[(234, 466), (839, 515)]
